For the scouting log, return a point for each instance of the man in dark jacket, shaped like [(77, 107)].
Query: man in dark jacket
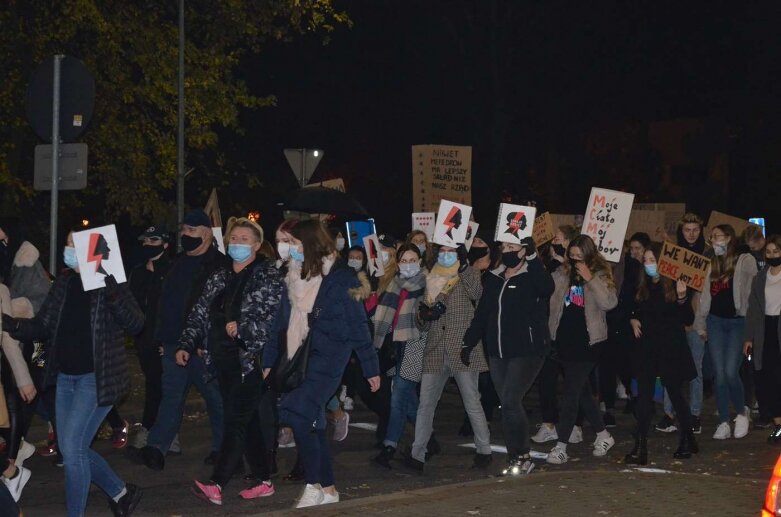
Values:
[(181, 287)]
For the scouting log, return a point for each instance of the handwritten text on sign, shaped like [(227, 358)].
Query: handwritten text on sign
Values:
[(440, 172), (679, 263), (605, 221)]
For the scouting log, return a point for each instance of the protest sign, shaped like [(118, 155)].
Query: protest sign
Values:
[(544, 230), (471, 233), (452, 224), (647, 221), (440, 172), (678, 263), (424, 221), (334, 184), (673, 213), (217, 232), (606, 219), (717, 218), (98, 254), (212, 208), (514, 223), (372, 246)]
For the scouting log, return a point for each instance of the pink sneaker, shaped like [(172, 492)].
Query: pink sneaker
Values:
[(210, 492), (264, 489)]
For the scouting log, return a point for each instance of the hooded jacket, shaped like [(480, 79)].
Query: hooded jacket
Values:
[(28, 278)]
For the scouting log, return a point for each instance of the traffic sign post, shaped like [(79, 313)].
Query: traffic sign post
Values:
[(72, 167), (55, 163), (303, 162)]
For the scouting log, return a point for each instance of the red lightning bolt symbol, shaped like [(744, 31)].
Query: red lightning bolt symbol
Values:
[(91, 256)]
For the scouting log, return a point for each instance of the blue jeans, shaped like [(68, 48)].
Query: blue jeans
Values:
[(725, 337), (697, 348), (176, 382), (78, 419), (404, 407)]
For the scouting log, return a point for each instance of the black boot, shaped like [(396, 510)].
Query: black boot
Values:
[(385, 456), (432, 448), (639, 454), (684, 446), (693, 446), (631, 457)]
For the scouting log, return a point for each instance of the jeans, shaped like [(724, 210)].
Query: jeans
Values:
[(431, 386), (513, 378), (697, 347), (577, 396), (404, 408), (176, 382), (725, 337), (79, 417)]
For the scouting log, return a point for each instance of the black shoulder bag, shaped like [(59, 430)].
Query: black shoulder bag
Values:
[(289, 373)]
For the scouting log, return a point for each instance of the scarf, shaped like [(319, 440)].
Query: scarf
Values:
[(441, 280), (302, 293), (388, 305)]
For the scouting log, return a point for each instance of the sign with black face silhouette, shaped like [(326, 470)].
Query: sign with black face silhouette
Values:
[(98, 254), (514, 223), (452, 224), (374, 255)]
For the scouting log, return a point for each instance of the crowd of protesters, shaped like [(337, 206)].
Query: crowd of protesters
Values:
[(497, 318)]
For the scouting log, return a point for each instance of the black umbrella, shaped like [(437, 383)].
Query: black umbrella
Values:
[(321, 200)]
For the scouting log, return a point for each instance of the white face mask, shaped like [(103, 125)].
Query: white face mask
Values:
[(283, 248), (339, 244)]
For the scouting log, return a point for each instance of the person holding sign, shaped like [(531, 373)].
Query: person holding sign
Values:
[(761, 339), (584, 292), (658, 322), (85, 331), (721, 321)]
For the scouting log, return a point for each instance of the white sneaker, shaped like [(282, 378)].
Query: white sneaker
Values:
[(545, 434), (342, 393), (741, 423), (26, 450), (16, 484), (557, 456), (328, 498), (601, 446), (348, 404), (576, 436), (312, 496), (138, 437), (723, 432)]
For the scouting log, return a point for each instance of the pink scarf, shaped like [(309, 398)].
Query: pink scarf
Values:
[(302, 293)]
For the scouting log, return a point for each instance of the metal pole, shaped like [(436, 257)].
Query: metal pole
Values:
[(180, 132), (55, 163), (303, 167)]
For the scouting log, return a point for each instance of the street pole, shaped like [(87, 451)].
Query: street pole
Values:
[(303, 167), (55, 163), (180, 132)]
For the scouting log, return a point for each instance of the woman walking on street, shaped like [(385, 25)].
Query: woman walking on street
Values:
[(584, 292), (318, 300)]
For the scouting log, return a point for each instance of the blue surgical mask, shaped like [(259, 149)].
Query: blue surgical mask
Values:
[(69, 257), (650, 270), (421, 248), (409, 270), (447, 258), (356, 264), (720, 248), (239, 252), (296, 255)]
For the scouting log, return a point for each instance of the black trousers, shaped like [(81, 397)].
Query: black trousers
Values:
[(243, 436), (578, 397), (378, 402), (769, 377), (152, 365), (646, 384), (547, 385), (613, 363)]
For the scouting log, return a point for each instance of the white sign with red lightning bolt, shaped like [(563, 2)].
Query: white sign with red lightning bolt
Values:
[(97, 251)]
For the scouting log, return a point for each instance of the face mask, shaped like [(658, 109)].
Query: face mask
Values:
[(296, 255), (239, 252), (421, 248), (283, 248), (191, 243), (511, 259), (385, 257), (150, 252), (476, 254), (447, 258), (69, 257), (356, 264), (773, 262), (650, 270), (339, 244), (720, 249), (559, 250), (409, 270)]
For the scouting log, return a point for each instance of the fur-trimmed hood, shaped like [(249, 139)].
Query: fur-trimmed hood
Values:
[(363, 292), (27, 255)]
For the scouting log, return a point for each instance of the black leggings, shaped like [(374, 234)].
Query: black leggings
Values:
[(19, 416), (646, 384)]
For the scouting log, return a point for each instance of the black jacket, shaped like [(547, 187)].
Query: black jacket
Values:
[(145, 286), (512, 315), (110, 321)]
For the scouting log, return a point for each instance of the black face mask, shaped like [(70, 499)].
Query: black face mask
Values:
[(773, 262), (476, 253), (559, 250), (150, 252), (511, 259), (191, 243)]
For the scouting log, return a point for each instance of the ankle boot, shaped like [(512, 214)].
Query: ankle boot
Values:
[(433, 448), (385, 456), (693, 442), (631, 458), (639, 453), (684, 447)]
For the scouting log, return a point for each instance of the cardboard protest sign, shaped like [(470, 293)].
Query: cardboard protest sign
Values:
[(452, 223), (514, 223), (424, 221), (606, 219), (440, 172), (673, 213), (334, 184), (544, 230), (372, 246), (678, 263), (217, 232), (98, 254), (717, 218), (647, 221), (471, 233), (212, 208)]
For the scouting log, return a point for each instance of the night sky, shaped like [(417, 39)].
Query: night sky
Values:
[(554, 97)]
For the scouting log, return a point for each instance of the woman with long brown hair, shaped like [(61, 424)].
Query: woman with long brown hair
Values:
[(584, 292), (721, 321)]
